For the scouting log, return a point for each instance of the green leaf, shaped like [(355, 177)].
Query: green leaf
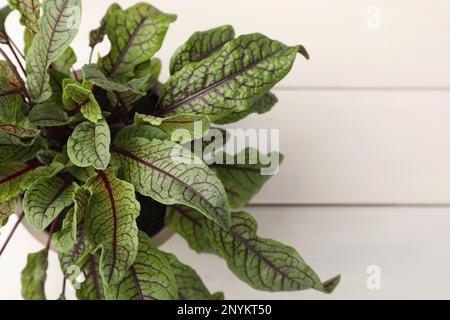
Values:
[(73, 261), (56, 80), (136, 34), (4, 13), (30, 11), (262, 263), (139, 130), (150, 277), (58, 27), (16, 177), (260, 106), (20, 153), (7, 208), (7, 75), (188, 223), (66, 61), (34, 276), (110, 219), (11, 105), (19, 131), (181, 127), (242, 176), (44, 115), (72, 226), (45, 200), (189, 284), (230, 80), (80, 96), (170, 174), (92, 74), (92, 287), (199, 46), (97, 36), (89, 145)]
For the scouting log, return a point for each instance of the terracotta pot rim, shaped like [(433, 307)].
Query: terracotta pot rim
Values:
[(159, 238)]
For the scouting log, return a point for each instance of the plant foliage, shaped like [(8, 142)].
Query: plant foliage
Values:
[(86, 154)]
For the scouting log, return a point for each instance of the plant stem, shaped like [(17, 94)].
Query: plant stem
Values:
[(17, 58), (14, 69), (91, 55), (50, 233), (17, 48), (19, 219)]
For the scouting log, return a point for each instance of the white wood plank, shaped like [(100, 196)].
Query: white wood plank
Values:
[(408, 49), (409, 245), (359, 147)]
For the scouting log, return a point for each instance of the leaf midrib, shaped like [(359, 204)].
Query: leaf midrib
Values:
[(107, 185), (58, 19), (178, 103), (136, 158)]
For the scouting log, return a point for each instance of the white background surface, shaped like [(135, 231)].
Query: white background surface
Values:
[(365, 121)]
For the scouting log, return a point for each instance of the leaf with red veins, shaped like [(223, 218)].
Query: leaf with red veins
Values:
[(110, 220)]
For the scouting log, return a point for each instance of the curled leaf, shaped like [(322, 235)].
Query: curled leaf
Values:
[(89, 145)]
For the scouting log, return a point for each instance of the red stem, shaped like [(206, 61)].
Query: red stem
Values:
[(19, 219), (14, 69)]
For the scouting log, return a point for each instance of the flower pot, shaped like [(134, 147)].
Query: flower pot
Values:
[(151, 221)]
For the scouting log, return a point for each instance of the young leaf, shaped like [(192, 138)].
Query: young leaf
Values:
[(136, 34), (92, 287), (45, 199), (262, 263), (94, 75), (72, 227), (4, 13), (242, 178), (181, 127), (139, 131), (30, 11), (44, 115), (81, 96), (17, 177), (11, 105), (110, 219), (34, 276), (189, 284), (259, 106), (230, 80), (96, 36), (7, 208), (170, 174), (89, 145), (149, 278), (200, 46), (73, 261), (58, 27)]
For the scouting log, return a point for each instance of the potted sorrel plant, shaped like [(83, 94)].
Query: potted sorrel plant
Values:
[(99, 160)]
